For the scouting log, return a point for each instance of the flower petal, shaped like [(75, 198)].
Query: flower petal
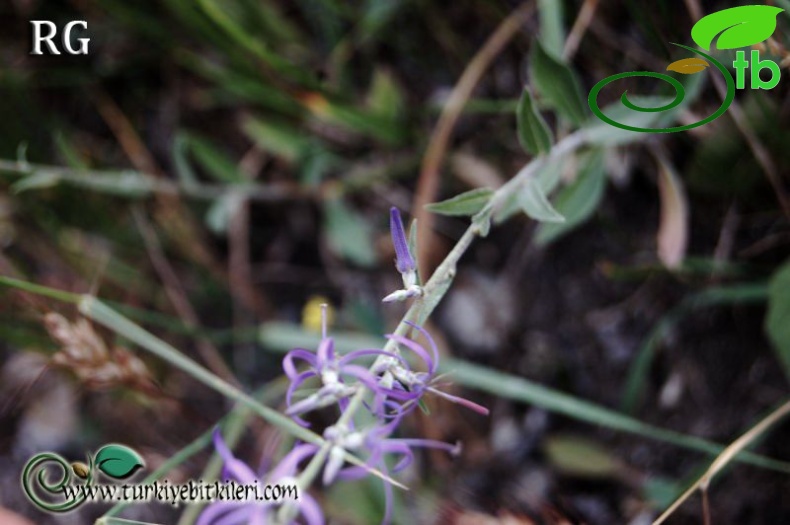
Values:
[(356, 354), (225, 514), (310, 510), (417, 349), (325, 352), (431, 342), (290, 462), (297, 353), (233, 468)]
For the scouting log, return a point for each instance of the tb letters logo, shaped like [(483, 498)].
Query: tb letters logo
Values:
[(735, 28), (44, 32)]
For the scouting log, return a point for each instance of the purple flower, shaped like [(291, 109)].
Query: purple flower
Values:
[(260, 512), (397, 380), (332, 370), (378, 444), (404, 261)]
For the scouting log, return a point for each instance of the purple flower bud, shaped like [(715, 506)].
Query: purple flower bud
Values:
[(404, 262)]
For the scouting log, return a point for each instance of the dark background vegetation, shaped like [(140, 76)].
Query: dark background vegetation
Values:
[(307, 120)]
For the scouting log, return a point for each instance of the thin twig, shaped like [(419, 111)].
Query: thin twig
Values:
[(428, 183), (579, 28), (705, 507), (239, 260), (726, 456), (170, 213)]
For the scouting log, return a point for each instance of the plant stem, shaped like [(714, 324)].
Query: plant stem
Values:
[(440, 281), (60, 295)]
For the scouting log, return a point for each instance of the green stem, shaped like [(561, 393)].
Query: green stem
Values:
[(60, 295), (437, 286)]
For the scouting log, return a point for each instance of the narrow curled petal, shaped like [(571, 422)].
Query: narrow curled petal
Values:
[(223, 513), (417, 349), (297, 353), (396, 447), (232, 468), (403, 259), (290, 462), (363, 376), (296, 382), (431, 342), (310, 510), (326, 352), (356, 354)]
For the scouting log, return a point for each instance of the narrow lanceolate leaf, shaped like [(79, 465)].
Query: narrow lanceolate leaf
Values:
[(578, 201), (557, 84), (348, 233), (673, 230), (777, 320), (736, 27), (552, 30), (534, 203), (467, 203), (533, 133)]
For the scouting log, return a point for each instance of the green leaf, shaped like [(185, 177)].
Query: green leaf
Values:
[(349, 234), (557, 84), (465, 204), (581, 457), (36, 181), (578, 201), (533, 133), (118, 461), (277, 138), (509, 386), (216, 163), (552, 32), (604, 134), (548, 176), (385, 97), (534, 203), (777, 320), (736, 27)]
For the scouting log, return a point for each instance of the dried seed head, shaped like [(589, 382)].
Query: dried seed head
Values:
[(86, 355)]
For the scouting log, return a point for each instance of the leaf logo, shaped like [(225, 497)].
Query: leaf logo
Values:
[(736, 27), (118, 461)]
